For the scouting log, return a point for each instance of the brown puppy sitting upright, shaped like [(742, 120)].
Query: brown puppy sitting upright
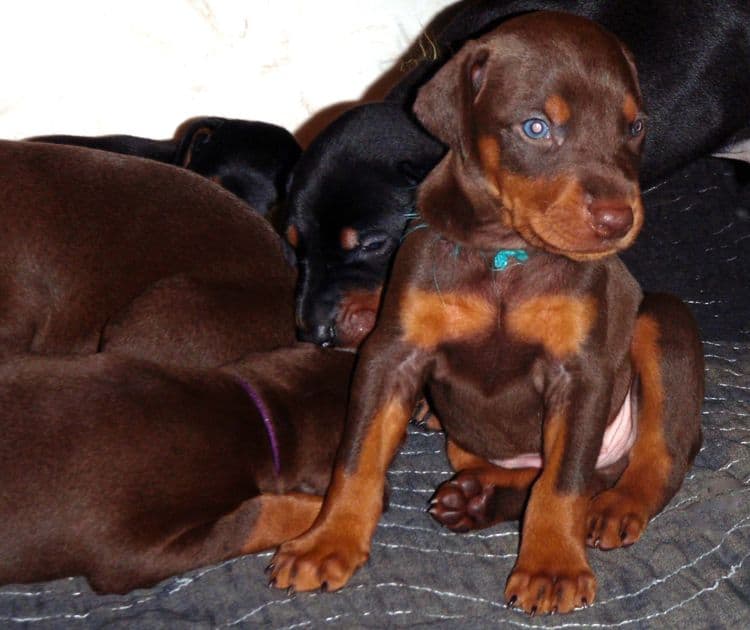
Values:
[(536, 345)]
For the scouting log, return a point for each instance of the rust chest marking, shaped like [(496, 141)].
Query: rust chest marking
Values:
[(429, 319), (560, 323)]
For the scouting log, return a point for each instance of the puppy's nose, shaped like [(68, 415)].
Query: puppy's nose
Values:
[(321, 335), (611, 219)]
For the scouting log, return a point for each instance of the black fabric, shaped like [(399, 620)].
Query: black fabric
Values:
[(690, 570), (695, 243)]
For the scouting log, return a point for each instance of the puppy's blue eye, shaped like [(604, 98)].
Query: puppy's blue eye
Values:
[(536, 128)]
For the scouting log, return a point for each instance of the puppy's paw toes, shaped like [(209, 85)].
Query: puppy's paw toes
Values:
[(545, 592), (615, 520), (308, 567), (463, 503), (423, 417)]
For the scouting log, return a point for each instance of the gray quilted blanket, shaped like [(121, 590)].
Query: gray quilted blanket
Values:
[(690, 570)]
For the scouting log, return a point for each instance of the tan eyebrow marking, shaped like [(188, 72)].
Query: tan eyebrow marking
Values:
[(292, 235), (349, 238), (630, 108), (557, 109)]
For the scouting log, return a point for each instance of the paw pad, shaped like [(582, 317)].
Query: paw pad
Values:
[(463, 503)]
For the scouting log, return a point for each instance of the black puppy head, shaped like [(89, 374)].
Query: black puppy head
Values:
[(351, 195), (544, 125), (343, 242), (251, 159)]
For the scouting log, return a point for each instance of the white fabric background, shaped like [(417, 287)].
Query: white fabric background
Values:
[(95, 67)]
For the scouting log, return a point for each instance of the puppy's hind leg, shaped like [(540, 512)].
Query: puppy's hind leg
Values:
[(668, 359), (259, 523)]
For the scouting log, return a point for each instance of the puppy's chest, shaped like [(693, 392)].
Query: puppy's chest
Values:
[(492, 354), (491, 314), (489, 394)]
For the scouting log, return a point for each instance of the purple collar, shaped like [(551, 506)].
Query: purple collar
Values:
[(266, 415)]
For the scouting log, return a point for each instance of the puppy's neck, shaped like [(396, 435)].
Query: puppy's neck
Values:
[(456, 203)]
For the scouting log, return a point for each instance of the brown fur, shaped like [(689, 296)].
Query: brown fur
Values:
[(110, 252), (552, 368), (356, 315), (128, 472), (146, 459)]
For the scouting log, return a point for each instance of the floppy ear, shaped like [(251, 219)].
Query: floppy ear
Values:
[(630, 58), (453, 198), (191, 135), (444, 104)]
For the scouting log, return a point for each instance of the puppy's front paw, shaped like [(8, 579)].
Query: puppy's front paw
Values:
[(550, 589), (615, 519), (317, 560)]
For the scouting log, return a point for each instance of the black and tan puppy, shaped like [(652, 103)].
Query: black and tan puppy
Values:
[(560, 387), (351, 193), (114, 252), (249, 158), (127, 472)]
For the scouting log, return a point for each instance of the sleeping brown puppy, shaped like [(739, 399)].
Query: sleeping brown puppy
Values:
[(127, 472), (561, 387), (111, 252), (126, 466)]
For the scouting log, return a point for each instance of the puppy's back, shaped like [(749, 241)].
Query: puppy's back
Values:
[(85, 232)]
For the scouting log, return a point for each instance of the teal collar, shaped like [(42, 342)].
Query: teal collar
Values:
[(501, 260), (503, 257)]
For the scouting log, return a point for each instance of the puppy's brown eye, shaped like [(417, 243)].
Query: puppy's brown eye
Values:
[(636, 127)]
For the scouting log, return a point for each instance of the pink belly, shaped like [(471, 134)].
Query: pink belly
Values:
[(618, 439)]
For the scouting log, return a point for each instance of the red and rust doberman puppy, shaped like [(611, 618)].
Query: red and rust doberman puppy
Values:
[(127, 472), (559, 386), (144, 459)]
